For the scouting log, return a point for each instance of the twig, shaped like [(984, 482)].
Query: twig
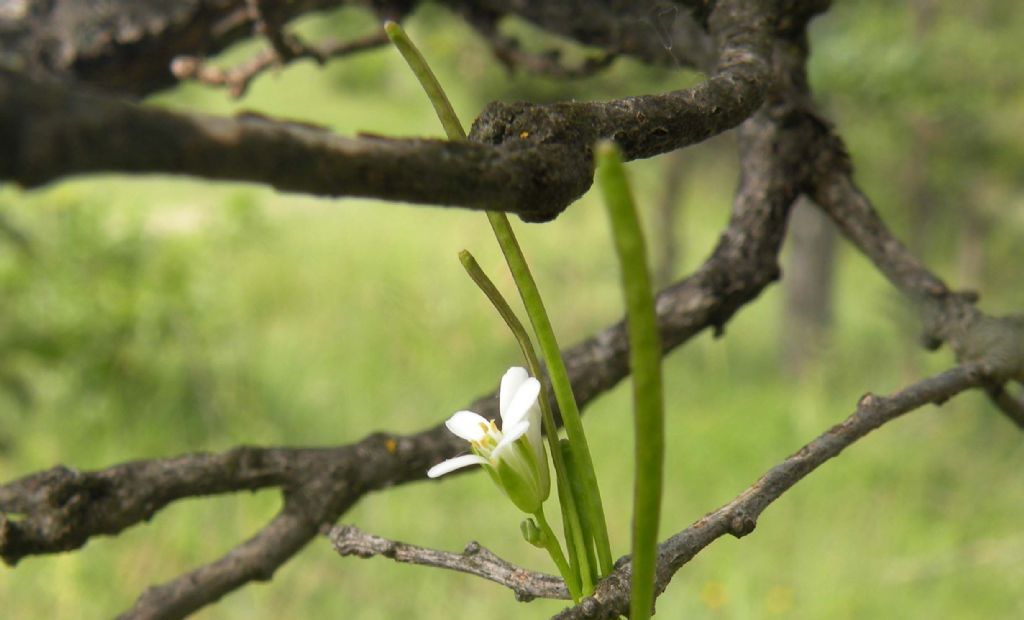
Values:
[(948, 316), (508, 51), (160, 31), (474, 560), (1012, 406), (238, 78), (739, 516), (857, 218)]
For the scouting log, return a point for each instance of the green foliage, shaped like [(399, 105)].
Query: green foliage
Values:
[(931, 105)]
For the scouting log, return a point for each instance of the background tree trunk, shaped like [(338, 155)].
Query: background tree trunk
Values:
[(807, 284)]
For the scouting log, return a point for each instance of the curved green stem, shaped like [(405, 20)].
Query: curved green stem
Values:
[(645, 361), (420, 68)]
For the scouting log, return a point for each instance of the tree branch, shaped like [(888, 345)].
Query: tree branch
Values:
[(949, 317), (254, 560), (62, 508), (529, 159), (238, 78), (127, 45), (739, 516), (474, 560), (1011, 406)]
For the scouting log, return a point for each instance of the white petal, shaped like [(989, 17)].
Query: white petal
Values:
[(468, 425), (451, 465), (534, 434), (524, 398), (514, 377), (510, 434)]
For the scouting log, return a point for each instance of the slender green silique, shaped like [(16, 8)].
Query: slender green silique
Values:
[(545, 336), (487, 287), (577, 491), (645, 362), (420, 68)]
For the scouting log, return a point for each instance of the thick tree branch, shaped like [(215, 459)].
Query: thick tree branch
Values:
[(52, 132), (128, 45), (527, 159), (739, 517), (62, 508), (474, 560)]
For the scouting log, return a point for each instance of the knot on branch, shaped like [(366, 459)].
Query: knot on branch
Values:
[(552, 147), (590, 608), (946, 315), (525, 123), (740, 524)]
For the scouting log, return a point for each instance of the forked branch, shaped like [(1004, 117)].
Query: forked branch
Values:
[(238, 78), (474, 560)]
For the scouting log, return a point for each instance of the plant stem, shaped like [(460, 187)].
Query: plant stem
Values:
[(645, 362), (555, 551), (591, 502)]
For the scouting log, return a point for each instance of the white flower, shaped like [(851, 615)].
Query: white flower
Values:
[(514, 456)]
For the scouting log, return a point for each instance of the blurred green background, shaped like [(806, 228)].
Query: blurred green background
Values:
[(147, 317)]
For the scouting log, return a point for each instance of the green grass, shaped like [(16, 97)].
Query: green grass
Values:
[(188, 316)]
